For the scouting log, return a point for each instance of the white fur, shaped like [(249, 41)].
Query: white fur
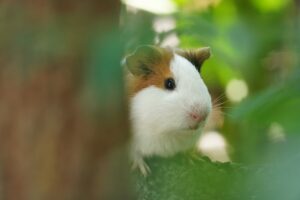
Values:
[(160, 118)]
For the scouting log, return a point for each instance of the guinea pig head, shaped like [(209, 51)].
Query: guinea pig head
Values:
[(167, 91)]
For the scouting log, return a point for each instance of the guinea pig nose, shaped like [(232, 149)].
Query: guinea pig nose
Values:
[(196, 117)]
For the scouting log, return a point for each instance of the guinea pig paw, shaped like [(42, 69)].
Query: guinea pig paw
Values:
[(142, 166)]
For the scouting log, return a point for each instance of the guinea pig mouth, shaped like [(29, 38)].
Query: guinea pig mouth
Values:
[(194, 126)]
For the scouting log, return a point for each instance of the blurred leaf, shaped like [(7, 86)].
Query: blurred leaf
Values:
[(271, 5), (278, 103)]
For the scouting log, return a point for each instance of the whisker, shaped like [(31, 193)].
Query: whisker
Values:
[(219, 98), (225, 114), (219, 101), (222, 107), (218, 104)]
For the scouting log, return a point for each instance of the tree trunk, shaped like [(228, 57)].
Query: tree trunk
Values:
[(63, 121)]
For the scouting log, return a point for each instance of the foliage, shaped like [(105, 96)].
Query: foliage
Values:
[(186, 177)]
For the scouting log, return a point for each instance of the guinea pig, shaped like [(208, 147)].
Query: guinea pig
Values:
[(168, 101)]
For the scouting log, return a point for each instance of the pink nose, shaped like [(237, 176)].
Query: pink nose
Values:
[(196, 117)]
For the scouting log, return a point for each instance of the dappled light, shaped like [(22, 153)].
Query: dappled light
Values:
[(236, 90), (213, 145), (154, 6), (276, 133)]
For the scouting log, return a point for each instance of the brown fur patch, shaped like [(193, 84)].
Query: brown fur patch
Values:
[(160, 71), (196, 56)]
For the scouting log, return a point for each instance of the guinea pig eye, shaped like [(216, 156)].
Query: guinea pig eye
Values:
[(170, 84)]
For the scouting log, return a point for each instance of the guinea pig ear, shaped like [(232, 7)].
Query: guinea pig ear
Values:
[(141, 62), (196, 57)]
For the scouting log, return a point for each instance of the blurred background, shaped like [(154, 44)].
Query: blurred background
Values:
[(63, 115)]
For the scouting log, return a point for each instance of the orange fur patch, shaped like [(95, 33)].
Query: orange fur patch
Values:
[(160, 72)]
